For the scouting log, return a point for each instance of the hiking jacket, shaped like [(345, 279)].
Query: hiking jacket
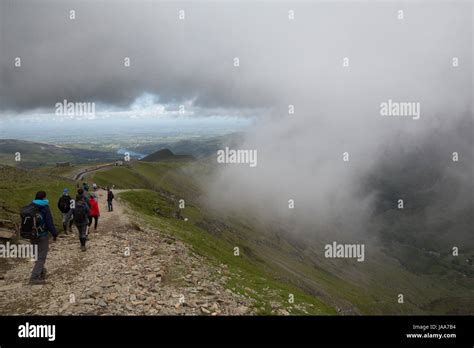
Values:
[(43, 208), (86, 221), (68, 204), (110, 196), (94, 211)]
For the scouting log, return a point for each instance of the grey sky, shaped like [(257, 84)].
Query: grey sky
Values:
[(281, 61)]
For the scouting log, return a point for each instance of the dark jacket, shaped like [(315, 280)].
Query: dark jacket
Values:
[(86, 221), (68, 206), (110, 196), (43, 208)]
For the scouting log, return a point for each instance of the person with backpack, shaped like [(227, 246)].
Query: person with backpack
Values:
[(94, 186), (85, 186), (36, 224), (94, 211), (110, 197), (64, 205), (84, 195), (81, 219)]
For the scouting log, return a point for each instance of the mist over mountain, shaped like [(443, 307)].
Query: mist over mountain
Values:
[(338, 111)]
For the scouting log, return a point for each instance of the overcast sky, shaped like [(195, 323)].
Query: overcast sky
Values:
[(191, 60)]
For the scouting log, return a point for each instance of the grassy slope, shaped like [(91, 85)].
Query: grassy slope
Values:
[(18, 188), (246, 276), (165, 183), (371, 287)]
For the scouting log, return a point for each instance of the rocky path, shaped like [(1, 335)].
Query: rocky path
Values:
[(126, 270)]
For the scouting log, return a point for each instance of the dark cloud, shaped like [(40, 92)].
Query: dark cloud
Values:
[(82, 59)]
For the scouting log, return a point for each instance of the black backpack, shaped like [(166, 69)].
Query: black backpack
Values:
[(80, 213), (32, 222), (64, 204)]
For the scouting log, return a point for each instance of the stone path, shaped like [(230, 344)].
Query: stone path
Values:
[(126, 270)]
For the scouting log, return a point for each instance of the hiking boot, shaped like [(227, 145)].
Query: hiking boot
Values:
[(83, 248), (37, 282), (43, 275)]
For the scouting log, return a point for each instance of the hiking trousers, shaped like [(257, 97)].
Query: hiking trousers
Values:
[(38, 268), (96, 220), (110, 206), (82, 233), (67, 220)]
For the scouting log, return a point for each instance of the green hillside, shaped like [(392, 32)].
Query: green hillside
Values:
[(247, 275), (371, 287)]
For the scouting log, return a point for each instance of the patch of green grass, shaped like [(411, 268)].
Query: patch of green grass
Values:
[(121, 177)]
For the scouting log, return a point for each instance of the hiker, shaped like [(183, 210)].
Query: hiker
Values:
[(36, 224), (81, 193), (110, 197), (94, 211), (85, 186), (94, 186), (64, 205), (81, 219)]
